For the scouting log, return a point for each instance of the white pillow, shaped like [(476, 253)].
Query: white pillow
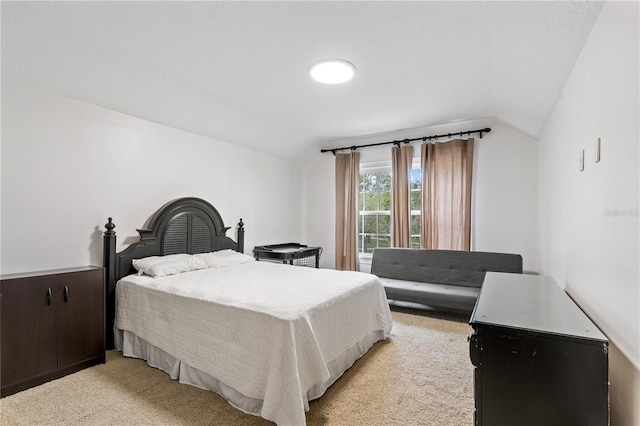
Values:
[(222, 258), (160, 266)]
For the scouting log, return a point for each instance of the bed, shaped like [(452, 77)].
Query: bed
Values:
[(267, 337)]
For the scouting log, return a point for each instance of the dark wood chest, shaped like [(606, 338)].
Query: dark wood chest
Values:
[(52, 324), (539, 360)]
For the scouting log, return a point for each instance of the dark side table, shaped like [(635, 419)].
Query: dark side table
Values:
[(291, 253)]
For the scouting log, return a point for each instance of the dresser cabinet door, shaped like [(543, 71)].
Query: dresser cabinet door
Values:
[(29, 328), (80, 317)]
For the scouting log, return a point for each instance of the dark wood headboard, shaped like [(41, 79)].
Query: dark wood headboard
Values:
[(185, 225)]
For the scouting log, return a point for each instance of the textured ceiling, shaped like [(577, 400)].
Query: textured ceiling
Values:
[(238, 71)]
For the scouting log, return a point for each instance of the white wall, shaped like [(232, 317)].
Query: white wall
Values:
[(68, 165), (589, 229), (504, 211)]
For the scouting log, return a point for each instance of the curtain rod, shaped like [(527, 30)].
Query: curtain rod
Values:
[(405, 141)]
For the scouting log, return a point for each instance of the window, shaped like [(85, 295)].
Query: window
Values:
[(374, 225)]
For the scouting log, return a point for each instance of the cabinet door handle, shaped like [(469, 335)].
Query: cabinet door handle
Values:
[(66, 294), (49, 296), (475, 349)]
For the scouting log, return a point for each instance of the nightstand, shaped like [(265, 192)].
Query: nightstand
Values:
[(291, 253)]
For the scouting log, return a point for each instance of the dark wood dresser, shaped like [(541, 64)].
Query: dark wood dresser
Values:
[(52, 324), (539, 360)]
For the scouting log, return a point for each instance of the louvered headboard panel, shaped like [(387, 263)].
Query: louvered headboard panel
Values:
[(188, 233)]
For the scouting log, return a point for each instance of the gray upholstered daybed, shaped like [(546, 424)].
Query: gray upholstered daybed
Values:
[(447, 279)]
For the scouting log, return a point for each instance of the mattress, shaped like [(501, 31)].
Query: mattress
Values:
[(266, 336)]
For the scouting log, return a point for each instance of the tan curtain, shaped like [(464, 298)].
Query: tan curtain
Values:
[(446, 194), (347, 184), (401, 159)]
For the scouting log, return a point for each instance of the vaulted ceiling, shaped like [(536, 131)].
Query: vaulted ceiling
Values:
[(238, 71)]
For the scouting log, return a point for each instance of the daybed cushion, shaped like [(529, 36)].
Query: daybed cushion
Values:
[(444, 296)]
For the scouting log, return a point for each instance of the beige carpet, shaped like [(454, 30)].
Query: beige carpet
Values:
[(420, 376)]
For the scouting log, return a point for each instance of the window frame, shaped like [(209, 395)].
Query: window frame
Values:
[(371, 168), (375, 167)]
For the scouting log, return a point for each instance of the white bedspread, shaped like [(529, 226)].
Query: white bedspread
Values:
[(267, 330)]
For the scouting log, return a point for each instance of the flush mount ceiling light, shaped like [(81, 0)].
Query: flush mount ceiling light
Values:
[(333, 71)]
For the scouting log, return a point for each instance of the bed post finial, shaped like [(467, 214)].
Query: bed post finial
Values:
[(109, 259), (109, 226), (240, 236)]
